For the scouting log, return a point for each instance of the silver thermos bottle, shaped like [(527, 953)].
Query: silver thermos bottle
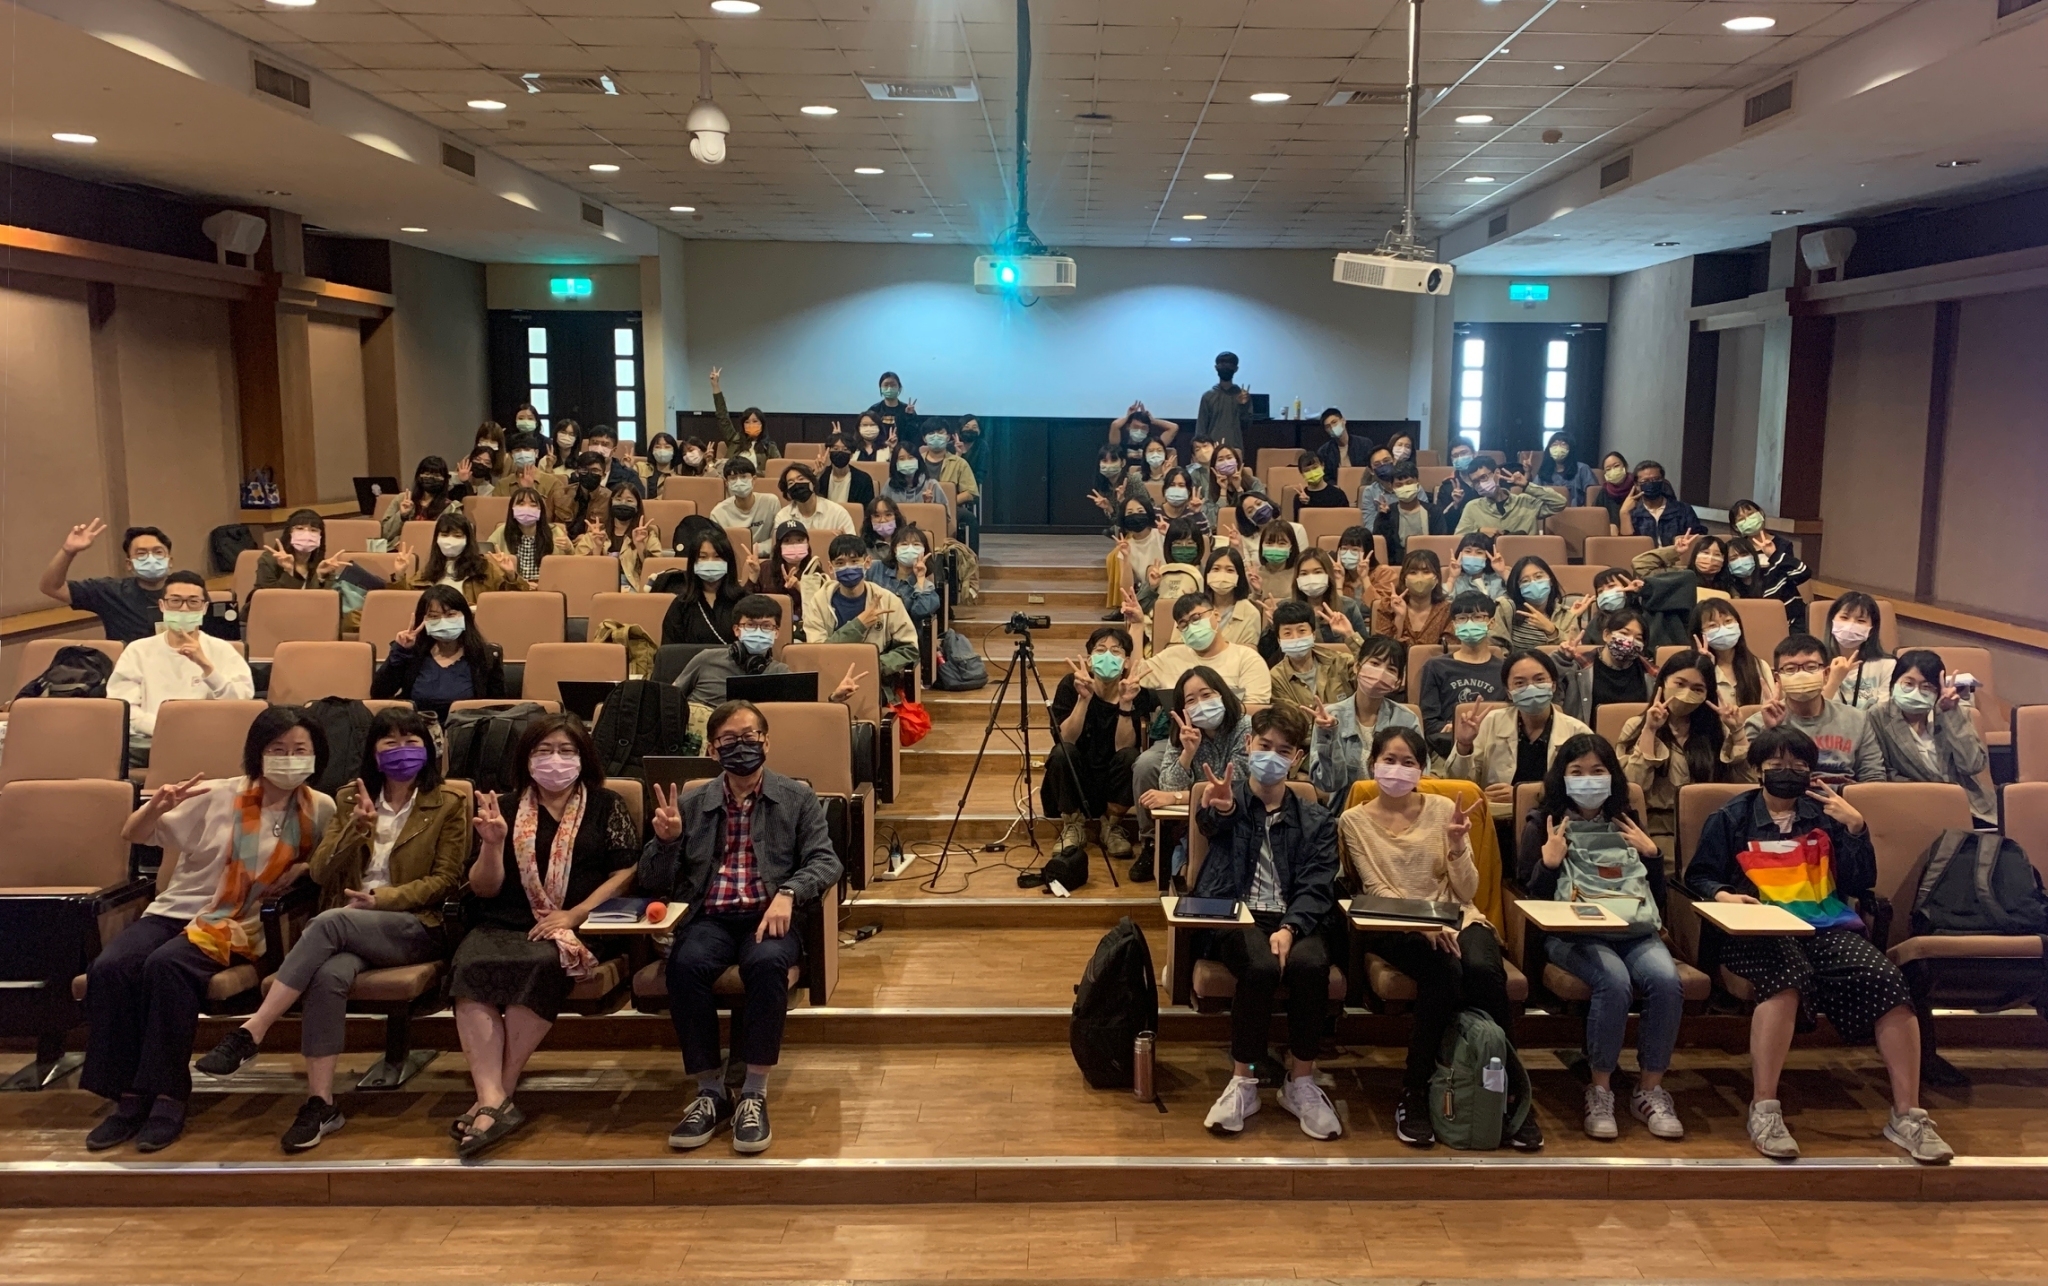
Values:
[(1141, 1066)]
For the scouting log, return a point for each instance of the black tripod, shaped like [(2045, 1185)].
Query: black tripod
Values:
[(1022, 658)]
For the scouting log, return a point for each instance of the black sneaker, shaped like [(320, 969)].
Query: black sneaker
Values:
[(706, 1116), (118, 1127), (236, 1050), (1530, 1137), (317, 1119), (165, 1123), (1142, 871), (750, 1132), (1411, 1121)]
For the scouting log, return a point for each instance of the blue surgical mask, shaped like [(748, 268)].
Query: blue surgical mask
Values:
[(936, 441), (1298, 647), (1207, 714), (849, 576), (1472, 564), (1741, 567), (1176, 495), (1536, 591), (1611, 600), (152, 566), (906, 467), (446, 628), (1470, 631), (1462, 462), (1722, 637), (1534, 697), (1106, 665), (1912, 700), (756, 640), (1269, 767), (1349, 559), (711, 570), (1589, 792)]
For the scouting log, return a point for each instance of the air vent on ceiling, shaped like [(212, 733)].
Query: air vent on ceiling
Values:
[(1616, 170), (1760, 107), (1497, 225), (2007, 8), (1094, 123), (1380, 96), (593, 214), (565, 82), (458, 160), (279, 83), (922, 91)]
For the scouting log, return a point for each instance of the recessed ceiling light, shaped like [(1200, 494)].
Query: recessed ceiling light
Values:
[(682, 209), (1219, 176), (1180, 238), (1479, 178), (920, 234), (605, 167), (1476, 118), (1788, 210), (1557, 66), (867, 169), (1956, 164), (412, 229), (294, 4), (1271, 96), (1750, 24), (735, 6), (819, 109), (1663, 243), (1194, 218), (486, 105), (68, 137)]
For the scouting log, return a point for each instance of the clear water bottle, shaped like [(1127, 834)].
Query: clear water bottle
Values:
[(1495, 1077)]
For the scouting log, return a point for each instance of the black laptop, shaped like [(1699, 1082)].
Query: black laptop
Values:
[(1409, 911), (367, 491), (759, 688), (584, 696), (681, 771)]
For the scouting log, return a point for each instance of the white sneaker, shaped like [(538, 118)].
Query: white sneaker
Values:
[(1654, 1108), (1306, 1100), (1239, 1100), (1914, 1132), (1600, 1113), (1767, 1130)]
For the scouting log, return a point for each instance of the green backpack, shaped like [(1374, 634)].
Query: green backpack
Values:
[(1479, 1093)]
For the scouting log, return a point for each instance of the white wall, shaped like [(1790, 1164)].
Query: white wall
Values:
[(441, 354), (810, 327), (341, 445), (1647, 339), (1572, 299)]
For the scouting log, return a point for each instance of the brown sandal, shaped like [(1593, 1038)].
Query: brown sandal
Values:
[(506, 1119)]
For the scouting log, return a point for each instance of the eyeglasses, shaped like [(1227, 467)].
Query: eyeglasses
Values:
[(1803, 667), (737, 740), (184, 604)]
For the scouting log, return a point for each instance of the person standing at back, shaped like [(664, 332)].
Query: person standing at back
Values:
[(898, 419), (1226, 408), (126, 605)]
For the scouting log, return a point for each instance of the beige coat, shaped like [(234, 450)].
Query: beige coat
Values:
[(1492, 761)]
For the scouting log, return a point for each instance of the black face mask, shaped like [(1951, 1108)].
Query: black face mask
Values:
[(1655, 490), (433, 486), (970, 436), (1384, 472), (1136, 522), (1787, 783), (625, 513), (587, 481), (840, 459), (799, 491), (742, 759)]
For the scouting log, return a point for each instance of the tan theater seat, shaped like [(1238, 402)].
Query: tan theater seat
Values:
[(517, 620), (1576, 578), (1763, 623), (1576, 525), (245, 575), (813, 742), (386, 612), (1213, 982), (55, 738), (643, 610), (487, 513), (1904, 820), (1396, 988), (37, 654), (1418, 656), (934, 520), (63, 835), (1333, 523), (291, 615), (2030, 743), (665, 513), (703, 494), (417, 534), (1551, 549), (579, 578), (351, 534), (1611, 718), (1444, 547), (199, 738), (303, 672), (650, 985), (1617, 551), (1696, 803), (547, 664)]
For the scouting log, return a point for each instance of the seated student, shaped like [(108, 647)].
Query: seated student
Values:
[(456, 559), (625, 532), (742, 507), (1586, 619), (1276, 853), (784, 570), (1209, 730), (1376, 495), (1685, 738), (841, 483), (660, 464), (527, 467), (693, 460), (1506, 503), (526, 536), (241, 841), (805, 505), (899, 419), (904, 569), (1229, 483), (1198, 622), (1859, 669), (1617, 483), (1799, 845), (1098, 720), (746, 852), (874, 444), (702, 610), (848, 609), (1846, 750), (476, 474), (1469, 672), (1340, 447), (1230, 589), (181, 664), (536, 877), (387, 861), (584, 503), (126, 605), (1416, 611), (1562, 472), (298, 559), (618, 474), (1141, 546), (912, 480), (749, 441), (1652, 508), (1613, 671), (1925, 733), (1585, 828), (1405, 843), (1501, 749), (441, 659), (1251, 513), (1526, 616), (1137, 434), (1480, 569), (1706, 557), (880, 522), (1359, 573), (1338, 619), (1279, 550), (1455, 492), (945, 463), (427, 501), (1181, 499), (755, 620), (1741, 678), (1307, 675), (562, 450), (1778, 572), (1181, 573), (1411, 514), (1317, 489), (1345, 728)]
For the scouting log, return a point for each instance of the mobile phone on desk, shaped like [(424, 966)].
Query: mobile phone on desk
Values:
[(1585, 912)]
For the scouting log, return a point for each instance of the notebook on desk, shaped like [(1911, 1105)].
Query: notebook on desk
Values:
[(1409, 910)]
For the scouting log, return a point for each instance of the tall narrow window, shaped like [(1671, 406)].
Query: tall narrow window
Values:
[(1557, 356), (626, 378), (537, 372), (1471, 390)]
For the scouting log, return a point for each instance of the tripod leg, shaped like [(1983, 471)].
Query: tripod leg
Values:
[(995, 712)]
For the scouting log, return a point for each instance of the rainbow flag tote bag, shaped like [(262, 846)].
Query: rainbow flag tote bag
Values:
[(1799, 875)]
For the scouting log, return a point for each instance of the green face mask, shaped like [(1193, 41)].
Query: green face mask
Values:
[(183, 622), (1274, 555), (1750, 524), (1185, 553), (1470, 631)]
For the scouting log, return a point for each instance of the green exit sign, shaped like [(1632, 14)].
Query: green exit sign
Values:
[(569, 287), (1528, 292)]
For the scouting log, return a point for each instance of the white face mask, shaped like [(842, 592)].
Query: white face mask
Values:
[(450, 546), (287, 772), (1312, 583)]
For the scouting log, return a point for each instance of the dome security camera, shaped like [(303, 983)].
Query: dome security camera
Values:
[(708, 127)]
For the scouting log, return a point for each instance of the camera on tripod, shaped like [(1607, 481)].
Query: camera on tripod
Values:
[(1022, 624)]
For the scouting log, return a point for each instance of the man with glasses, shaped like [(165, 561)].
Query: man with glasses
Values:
[(745, 851), (1848, 751), (180, 664)]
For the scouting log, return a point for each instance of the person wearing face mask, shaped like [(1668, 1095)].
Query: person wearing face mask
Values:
[(1584, 842), (842, 483), (584, 502), (904, 569), (427, 501), (1480, 570), (1779, 572), (663, 456), (1684, 738), (1099, 715), (526, 420), (126, 605), (1307, 675), (298, 558), (1527, 614), (1338, 619), (1926, 733), (1181, 498), (241, 841), (1616, 670), (183, 663), (880, 523), (1229, 478), (477, 472), (1224, 580), (527, 466), (1417, 612), (898, 419), (1339, 447), (1585, 618), (911, 480), (1226, 407), (1252, 513), (846, 608), (1468, 673), (526, 535), (1741, 678), (457, 560), (1407, 842), (563, 445), (1236, 667), (1506, 503), (1411, 514), (1376, 495), (1501, 749), (567, 844), (618, 475), (1140, 538), (870, 443), (623, 532), (1799, 845), (1279, 550), (755, 618), (1345, 728), (387, 861), (804, 504), (1840, 732), (968, 434), (1317, 492), (750, 439), (441, 658), (1616, 483), (1859, 669), (784, 570), (1275, 853), (1653, 508), (693, 460), (1181, 573), (748, 852), (1561, 471), (744, 505), (1359, 574), (1208, 733), (945, 464), (1143, 441), (1706, 557), (708, 594), (1453, 492)]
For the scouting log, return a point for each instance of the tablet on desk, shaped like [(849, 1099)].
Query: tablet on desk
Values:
[(1447, 915), (1194, 908)]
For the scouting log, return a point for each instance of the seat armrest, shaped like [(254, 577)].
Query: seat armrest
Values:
[(1519, 937), (888, 757), (515, 679), (454, 918), (284, 916)]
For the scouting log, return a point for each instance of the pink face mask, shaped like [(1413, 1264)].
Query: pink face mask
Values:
[(305, 540), (1396, 780), (555, 772), (1851, 633), (795, 553), (526, 515)]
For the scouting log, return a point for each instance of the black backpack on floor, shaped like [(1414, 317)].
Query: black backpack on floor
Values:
[(480, 743), (74, 671), (1979, 882), (1117, 998), (346, 722), (226, 544), (640, 718)]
